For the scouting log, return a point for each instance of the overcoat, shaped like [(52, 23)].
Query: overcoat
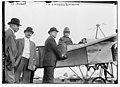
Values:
[(52, 52), (10, 48)]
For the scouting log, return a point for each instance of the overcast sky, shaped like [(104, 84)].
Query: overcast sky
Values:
[(81, 18)]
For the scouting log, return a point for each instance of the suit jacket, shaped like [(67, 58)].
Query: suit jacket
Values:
[(32, 60), (10, 47), (52, 52)]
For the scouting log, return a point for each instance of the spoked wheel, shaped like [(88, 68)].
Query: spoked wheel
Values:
[(98, 80)]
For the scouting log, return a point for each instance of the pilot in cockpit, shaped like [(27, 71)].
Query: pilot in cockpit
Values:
[(83, 41)]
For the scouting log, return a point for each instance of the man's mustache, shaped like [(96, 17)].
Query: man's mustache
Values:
[(28, 34)]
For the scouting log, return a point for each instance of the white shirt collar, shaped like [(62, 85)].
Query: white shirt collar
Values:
[(26, 39), (12, 30)]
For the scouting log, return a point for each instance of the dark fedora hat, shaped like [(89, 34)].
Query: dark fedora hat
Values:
[(29, 29), (14, 21), (53, 29)]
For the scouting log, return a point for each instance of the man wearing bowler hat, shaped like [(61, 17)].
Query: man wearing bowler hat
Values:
[(26, 57), (52, 54), (11, 50)]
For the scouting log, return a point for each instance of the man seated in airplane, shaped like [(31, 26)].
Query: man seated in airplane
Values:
[(83, 41), (65, 39)]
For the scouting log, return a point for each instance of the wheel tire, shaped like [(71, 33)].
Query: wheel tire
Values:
[(98, 80)]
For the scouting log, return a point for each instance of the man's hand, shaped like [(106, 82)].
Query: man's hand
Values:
[(34, 67), (64, 57), (9, 66)]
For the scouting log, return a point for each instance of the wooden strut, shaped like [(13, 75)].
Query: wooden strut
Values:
[(75, 73)]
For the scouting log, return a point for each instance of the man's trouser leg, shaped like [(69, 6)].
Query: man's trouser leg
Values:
[(9, 75), (44, 76), (19, 70), (26, 72), (49, 75), (32, 76)]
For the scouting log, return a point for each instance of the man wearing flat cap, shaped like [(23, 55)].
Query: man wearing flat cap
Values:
[(65, 39), (26, 57), (11, 49), (52, 54)]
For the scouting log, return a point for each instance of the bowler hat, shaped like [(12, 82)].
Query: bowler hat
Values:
[(29, 29), (52, 29), (15, 21)]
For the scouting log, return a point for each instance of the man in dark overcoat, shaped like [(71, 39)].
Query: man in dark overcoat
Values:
[(52, 54)]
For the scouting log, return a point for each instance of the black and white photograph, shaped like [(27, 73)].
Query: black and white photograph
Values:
[(59, 42)]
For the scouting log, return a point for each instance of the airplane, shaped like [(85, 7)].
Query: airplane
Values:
[(97, 52)]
